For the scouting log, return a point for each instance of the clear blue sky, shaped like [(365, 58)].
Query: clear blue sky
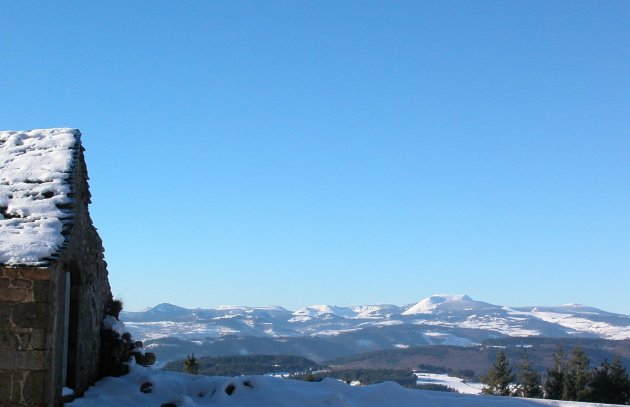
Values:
[(349, 152)]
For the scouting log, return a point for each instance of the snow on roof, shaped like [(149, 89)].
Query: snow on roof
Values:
[(35, 193)]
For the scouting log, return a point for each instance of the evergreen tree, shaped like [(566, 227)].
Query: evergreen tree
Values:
[(621, 381), (610, 384), (554, 383), (497, 380), (577, 378), (191, 365), (529, 383)]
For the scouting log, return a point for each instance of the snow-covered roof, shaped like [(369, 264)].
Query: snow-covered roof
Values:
[(35, 193)]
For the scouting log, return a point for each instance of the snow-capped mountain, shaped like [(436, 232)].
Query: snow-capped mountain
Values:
[(442, 318), (323, 332), (442, 303)]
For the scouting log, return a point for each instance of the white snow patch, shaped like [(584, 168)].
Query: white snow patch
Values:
[(454, 383), (335, 332), (319, 310), (35, 166), (115, 325), (389, 323)]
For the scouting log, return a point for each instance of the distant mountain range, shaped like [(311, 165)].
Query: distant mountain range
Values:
[(325, 331)]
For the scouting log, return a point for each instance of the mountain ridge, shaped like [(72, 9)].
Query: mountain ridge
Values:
[(322, 332), (432, 315)]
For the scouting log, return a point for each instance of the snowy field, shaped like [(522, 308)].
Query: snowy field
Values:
[(169, 389), (453, 382)]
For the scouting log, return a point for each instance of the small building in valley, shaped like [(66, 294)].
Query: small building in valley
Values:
[(54, 289)]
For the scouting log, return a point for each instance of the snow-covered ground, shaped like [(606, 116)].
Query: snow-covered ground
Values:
[(455, 383), (178, 389)]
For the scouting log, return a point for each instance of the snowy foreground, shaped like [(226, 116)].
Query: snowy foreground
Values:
[(178, 389)]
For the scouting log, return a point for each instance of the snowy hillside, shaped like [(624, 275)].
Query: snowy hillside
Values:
[(440, 303), (447, 319), (150, 387)]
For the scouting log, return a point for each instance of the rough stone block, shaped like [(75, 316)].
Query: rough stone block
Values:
[(22, 283), (5, 308), (35, 274), (16, 391), (12, 273), (40, 291), (9, 341), (5, 387), (38, 339), (30, 315), (33, 390), (147, 359), (5, 316), (23, 360), (4, 282), (13, 294), (23, 341)]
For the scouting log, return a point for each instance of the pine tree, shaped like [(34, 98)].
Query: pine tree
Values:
[(497, 380), (620, 381), (529, 383), (554, 383), (191, 365), (577, 378), (610, 383)]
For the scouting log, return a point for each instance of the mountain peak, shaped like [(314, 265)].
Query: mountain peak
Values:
[(437, 301), (318, 310), (166, 307)]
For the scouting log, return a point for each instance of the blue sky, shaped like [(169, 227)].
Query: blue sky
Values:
[(352, 152)]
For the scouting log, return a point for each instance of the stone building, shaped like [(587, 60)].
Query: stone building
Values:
[(54, 290)]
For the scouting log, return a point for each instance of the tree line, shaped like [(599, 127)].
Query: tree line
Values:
[(405, 378), (570, 378), (242, 365), (297, 368)]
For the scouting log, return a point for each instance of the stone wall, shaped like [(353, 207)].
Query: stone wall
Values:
[(91, 294), (32, 309), (24, 327)]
